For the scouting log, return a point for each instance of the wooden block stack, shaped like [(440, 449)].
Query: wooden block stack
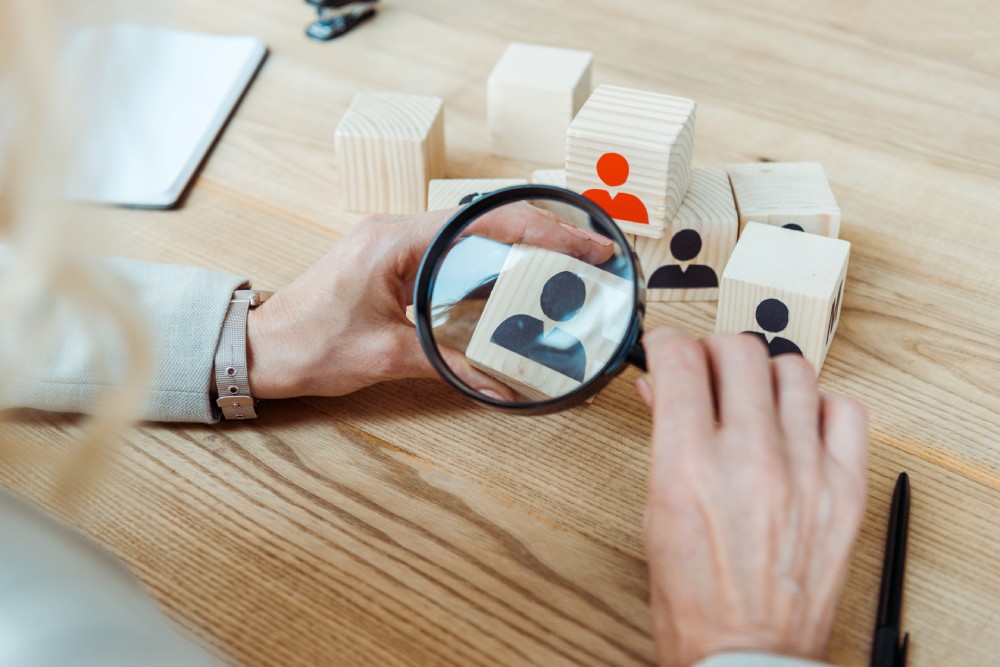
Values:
[(699, 234), (389, 146), (534, 92), (630, 152), (450, 192), (785, 287)]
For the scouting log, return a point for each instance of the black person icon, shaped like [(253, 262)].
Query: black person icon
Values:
[(684, 246), (772, 316), (562, 298), (794, 227), (473, 196)]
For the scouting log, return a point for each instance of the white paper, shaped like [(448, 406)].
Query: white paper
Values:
[(152, 101)]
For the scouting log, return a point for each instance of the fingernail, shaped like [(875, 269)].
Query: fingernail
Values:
[(489, 393), (645, 390), (600, 239), (576, 231)]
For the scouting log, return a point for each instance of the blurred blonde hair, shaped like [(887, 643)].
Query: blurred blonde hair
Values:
[(46, 282)]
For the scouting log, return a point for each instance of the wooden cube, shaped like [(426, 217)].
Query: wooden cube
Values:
[(688, 262), (785, 287), (533, 93), (551, 322), (555, 177), (450, 192), (795, 195), (389, 146), (630, 151)]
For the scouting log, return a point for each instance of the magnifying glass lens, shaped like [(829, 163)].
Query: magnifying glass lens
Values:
[(531, 300)]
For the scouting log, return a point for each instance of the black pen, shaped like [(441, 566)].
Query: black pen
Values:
[(887, 650)]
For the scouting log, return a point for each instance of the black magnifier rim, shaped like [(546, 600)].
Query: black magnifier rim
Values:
[(427, 275)]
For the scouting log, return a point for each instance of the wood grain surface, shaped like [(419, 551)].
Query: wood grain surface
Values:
[(404, 526)]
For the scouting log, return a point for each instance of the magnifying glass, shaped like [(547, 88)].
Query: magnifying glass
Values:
[(530, 299)]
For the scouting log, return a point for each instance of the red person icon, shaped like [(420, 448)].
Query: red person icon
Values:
[(612, 169)]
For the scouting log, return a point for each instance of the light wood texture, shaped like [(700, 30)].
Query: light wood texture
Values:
[(389, 146), (585, 314), (653, 132), (787, 287), (449, 192), (555, 177), (794, 194), (703, 232), (533, 93), (404, 526)]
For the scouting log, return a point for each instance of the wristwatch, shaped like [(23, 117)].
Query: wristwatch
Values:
[(232, 379)]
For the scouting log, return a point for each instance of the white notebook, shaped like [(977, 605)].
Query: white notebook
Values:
[(153, 104)]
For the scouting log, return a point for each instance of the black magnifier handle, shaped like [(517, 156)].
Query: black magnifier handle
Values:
[(637, 357), (332, 4)]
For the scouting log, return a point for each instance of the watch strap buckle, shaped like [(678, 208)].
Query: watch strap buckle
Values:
[(238, 407)]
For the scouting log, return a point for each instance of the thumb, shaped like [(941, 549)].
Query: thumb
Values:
[(411, 362)]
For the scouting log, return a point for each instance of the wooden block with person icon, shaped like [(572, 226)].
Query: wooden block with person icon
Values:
[(389, 146), (551, 322), (450, 192), (786, 288), (687, 263), (630, 152), (794, 195)]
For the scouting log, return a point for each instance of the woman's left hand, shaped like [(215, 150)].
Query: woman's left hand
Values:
[(342, 324)]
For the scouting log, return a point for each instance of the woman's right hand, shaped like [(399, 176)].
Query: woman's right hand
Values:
[(756, 490)]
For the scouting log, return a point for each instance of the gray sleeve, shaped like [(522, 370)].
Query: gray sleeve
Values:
[(756, 660), (183, 307)]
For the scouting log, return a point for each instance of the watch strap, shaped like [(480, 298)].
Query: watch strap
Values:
[(232, 378)]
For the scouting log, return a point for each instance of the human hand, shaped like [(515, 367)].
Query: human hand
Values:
[(756, 490), (342, 324)]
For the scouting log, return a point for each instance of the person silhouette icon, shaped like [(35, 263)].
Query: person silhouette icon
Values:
[(613, 169), (684, 246), (562, 298), (472, 197), (772, 316), (794, 227)]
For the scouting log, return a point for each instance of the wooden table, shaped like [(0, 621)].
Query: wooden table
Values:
[(405, 526)]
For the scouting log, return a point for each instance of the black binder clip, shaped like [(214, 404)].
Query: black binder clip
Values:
[(336, 17)]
